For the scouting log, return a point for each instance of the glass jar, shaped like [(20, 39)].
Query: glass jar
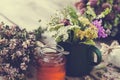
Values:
[(51, 63)]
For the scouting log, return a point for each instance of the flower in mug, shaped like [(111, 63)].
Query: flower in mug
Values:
[(101, 30), (74, 28), (85, 21), (91, 32), (80, 34)]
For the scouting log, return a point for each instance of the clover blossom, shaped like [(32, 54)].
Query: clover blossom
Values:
[(101, 30)]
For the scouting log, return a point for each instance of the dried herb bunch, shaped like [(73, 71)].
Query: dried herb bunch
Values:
[(17, 52)]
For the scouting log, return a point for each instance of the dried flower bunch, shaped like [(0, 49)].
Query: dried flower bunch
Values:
[(107, 10), (17, 52), (70, 26)]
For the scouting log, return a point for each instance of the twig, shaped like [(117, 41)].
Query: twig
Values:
[(94, 74)]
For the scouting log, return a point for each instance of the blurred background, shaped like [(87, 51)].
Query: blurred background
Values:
[(27, 13)]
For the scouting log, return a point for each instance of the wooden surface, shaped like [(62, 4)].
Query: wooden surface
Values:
[(26, 13)]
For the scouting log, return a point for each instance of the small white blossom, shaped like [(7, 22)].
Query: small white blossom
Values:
[(18, 53), (23, 66), (62, 33), (24, 44), (26, 59)]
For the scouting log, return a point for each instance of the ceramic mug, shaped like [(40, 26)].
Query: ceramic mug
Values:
[(80, 61)]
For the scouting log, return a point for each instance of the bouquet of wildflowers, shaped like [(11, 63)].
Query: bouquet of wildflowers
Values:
[(17, 52), (107, 10), (69, 25)]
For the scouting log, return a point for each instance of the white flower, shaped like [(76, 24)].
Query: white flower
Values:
[(23, 66), (26, 59), (24, 44), (62, 32), (19, 53), (73, 26)]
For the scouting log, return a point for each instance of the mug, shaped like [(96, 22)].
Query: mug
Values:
[(80, 61)]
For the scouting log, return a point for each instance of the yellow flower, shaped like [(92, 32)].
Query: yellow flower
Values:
[(80, 34), (84, 21), (91, 32)]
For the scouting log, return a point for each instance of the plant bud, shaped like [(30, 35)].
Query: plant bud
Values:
[(98, 11), (106, 5), (79, 5), (118, 9), (84, 1), (110, 16), (66, 22), (93, 2), (117, 1), (115, 7), (82, 10)]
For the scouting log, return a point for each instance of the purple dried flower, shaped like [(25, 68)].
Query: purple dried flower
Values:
[(110, 16), (118, 9), (106, 5), (66, 22), (79, 5), (101, 30), (17, 52), (82, 11), (115, 6), (93, 3)]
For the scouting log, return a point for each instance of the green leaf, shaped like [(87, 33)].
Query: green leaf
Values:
[(89, 42), (72, 13), (90, 11), (110, 1), (107, 25), (38, 32), (116, 21), (73, 16), (114, 32), (55, 28), (118, 15), (104, 13)]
